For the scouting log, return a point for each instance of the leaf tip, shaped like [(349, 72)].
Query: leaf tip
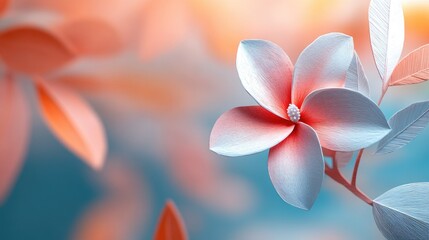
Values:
[(170, 224)]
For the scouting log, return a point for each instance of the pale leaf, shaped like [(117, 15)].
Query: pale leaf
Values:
[(403, 212), (356, 78), (386, 25), (33, 50), (342, 158), (14, 131), (73, 121), (406, 125), (414, 68)]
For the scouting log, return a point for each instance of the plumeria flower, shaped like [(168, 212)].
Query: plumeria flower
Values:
[(301, 110)]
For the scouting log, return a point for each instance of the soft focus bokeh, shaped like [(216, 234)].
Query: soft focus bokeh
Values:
[(158, 73)]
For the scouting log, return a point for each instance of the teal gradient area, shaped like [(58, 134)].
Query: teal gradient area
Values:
[(55, 189)]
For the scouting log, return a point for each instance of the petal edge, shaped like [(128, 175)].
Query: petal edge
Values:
[(247, 130), (344, 120), (296, 167), (265, 71), (322, 64)]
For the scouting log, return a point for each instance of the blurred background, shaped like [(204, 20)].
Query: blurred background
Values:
[(158, 73)]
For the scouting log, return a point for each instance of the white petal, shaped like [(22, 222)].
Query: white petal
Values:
[(355, 78), (266, 73), (322, 64), (248, 130), (344, 120), (296, 167)]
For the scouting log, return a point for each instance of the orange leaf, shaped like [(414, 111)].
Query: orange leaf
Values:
[(14, 131), (33, 50), (4, 5), (170, 225), (413, 68), (92, 36), (165, 24), (73, 121)]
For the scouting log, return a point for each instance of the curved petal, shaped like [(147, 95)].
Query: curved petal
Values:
[(247, 130), (355, 77), (344, 120), (296, 167), (266, 73), (34, 50), (15, 131), (73, 122), (322, 64)]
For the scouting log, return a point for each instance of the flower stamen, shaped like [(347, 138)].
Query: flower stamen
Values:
[(293, 113)]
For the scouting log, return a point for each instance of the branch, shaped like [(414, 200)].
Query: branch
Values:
[(356, 168), (336, 175)]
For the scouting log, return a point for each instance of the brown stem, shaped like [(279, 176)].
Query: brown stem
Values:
[(336, 175), (356, 168)]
